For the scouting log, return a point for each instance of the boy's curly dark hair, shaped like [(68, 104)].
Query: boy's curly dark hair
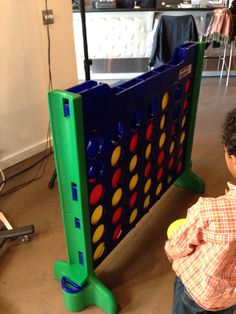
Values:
[(229, 132)]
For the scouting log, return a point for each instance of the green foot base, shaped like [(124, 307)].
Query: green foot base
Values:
[(92, 292), (191, 181)]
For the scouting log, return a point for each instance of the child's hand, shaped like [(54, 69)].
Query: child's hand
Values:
[(167, 246)]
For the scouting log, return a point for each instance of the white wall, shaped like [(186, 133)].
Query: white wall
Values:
[(24, 73)]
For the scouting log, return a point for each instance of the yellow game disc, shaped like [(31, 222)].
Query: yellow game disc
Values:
[(133, 182), (159, 188), (99, 251), (147, 185), (182, 138), (165, 101), (133, 163), (183, 121), (98, 233), (146, 202), (162, 122), (97, 214), (162, 139), (115, 156), (116, 197), (133, 215), (174, 226), (172, 146), (148, 151)]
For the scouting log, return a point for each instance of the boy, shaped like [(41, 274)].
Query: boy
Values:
[(203, 249)]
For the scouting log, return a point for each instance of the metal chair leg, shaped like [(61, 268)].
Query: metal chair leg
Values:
[(223, 61), (230, 61)]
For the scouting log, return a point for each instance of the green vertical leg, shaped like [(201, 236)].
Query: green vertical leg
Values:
[(79, 284), (188, 179)]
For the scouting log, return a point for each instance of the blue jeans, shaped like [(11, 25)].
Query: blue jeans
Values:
[(184, 304)]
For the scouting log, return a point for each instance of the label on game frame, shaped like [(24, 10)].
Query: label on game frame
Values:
[(185, 71)]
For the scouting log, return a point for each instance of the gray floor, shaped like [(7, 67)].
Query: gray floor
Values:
[(137, 271)]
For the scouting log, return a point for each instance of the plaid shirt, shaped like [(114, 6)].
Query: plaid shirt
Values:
[(203, 251)]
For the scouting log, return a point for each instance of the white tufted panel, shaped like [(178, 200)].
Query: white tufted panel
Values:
[(115, 35)]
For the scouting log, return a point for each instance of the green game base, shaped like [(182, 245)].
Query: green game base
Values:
[(191, 181), (93, 292)]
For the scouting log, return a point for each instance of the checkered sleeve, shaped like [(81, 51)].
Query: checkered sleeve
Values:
[(185, 239)]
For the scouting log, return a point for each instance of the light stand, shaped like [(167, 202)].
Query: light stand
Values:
[(87, 64)]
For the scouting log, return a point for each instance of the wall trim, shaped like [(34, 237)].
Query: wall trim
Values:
[(28, 152)]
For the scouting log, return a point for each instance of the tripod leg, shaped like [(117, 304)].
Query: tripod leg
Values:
[(52, 180), (8, 232)]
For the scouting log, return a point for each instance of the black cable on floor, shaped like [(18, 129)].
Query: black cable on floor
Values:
[(37, 175)]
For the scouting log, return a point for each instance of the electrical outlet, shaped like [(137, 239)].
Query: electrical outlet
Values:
[(47, 17)]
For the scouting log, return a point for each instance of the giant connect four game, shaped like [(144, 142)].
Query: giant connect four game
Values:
[(117, 150)]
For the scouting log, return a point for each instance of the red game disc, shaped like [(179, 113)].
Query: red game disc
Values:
[(117, 215), (133, 142), (181, 152), (161, 157), (117, 232), (171, 162), (116, 177), (147, 169), (96, 194), (149, 131), (160, 173), (179, 167), (133, 199), (187, 86), (185, 104)]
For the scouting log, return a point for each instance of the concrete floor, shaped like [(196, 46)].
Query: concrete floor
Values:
[(137, 271)]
